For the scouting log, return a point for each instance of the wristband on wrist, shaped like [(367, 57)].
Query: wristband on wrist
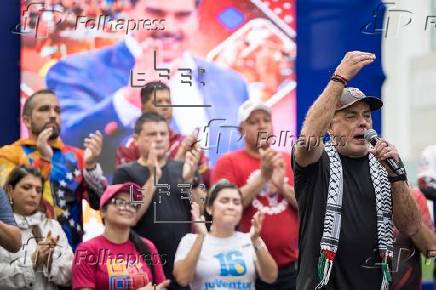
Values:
[(401, 177), (401, 174), (339, 79)]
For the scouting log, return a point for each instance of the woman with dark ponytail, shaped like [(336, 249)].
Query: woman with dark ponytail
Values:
[(119, 258)]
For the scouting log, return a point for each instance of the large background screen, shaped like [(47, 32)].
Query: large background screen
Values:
[(62, 40)]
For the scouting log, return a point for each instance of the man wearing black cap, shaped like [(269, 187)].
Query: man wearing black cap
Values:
[(346, 193)]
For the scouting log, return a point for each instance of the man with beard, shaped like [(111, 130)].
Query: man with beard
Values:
[(94, 88), (71, 174)]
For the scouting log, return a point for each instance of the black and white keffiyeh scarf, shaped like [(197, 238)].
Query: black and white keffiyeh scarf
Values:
[(332, 218)]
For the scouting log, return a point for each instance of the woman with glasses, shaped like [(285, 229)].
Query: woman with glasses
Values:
[(119, 258), (44, 260), (223, 257)]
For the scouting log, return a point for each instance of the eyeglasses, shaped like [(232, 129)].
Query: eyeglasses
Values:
[(121, 203)]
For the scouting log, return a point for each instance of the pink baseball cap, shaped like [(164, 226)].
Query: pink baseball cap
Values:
[(112, 190)]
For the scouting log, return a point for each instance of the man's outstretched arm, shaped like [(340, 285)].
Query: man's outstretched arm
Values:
[(309, 147)]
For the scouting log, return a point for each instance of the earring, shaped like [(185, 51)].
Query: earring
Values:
[(9, 194)]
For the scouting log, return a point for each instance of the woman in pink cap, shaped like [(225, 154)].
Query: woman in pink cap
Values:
[(119, 258)]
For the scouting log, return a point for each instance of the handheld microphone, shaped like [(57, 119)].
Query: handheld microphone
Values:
[(372, 137)]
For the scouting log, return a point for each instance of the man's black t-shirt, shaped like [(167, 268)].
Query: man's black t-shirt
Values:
[(161, 223), (356, 264)]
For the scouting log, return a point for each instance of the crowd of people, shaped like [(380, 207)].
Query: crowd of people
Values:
[(176, 216), (322, 217)]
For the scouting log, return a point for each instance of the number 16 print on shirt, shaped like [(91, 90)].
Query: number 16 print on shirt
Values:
[(232, 263)]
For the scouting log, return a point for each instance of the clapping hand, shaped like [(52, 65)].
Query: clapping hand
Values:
[(278, 174), (266, 162), (198, 219), (191, 164), (152, 163), (93, 145), (189, 143), (256, 226)]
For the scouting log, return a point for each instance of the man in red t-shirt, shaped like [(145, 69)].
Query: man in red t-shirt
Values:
[(155, 97), (266, 182), (406, 265)]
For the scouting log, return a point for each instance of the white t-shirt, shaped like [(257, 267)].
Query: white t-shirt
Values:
[(224, 263)]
